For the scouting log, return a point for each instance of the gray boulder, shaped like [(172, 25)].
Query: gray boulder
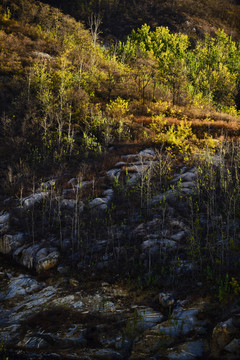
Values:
[(187, 351)]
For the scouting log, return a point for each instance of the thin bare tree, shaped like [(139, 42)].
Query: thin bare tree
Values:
[(94, 22)]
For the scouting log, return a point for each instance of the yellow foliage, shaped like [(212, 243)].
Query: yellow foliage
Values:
[(235, 286), (117, 108), (160, 106)]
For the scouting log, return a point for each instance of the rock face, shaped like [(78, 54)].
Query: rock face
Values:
[(119, 332), (87, 308)]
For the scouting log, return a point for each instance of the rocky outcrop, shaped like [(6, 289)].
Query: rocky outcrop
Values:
[(74, 312)]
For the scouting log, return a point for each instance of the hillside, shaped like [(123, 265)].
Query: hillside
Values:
[(120, 180), (192, 17), (64, 97)]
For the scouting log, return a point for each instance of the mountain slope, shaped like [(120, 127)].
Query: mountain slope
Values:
[(193, 17)]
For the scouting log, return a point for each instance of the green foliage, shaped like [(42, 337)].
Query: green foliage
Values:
[(210, 70), (214, 67)]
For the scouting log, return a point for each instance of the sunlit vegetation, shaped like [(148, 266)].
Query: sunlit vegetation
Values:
[(64, 96)]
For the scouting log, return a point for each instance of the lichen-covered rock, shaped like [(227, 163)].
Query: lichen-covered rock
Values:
[(73, 181), (179, 236), (4, 223), (222, 334), (48, 262), (9, 243), (83, 184), (21, 285), (33, 342), (147, 153), (133, 179), (149, 344), (98, 204), (188, 176), (166, 299), (28, 256), (114, 173), (159, 337), (147, 318), (47, 185), (187, 351), (233, 348), (182, 323), (108, 195), (71, 204), (33, 199), (108, 354), (4, 218), (153, 245)]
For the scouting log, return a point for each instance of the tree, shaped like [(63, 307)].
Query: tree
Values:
[(213, 68)]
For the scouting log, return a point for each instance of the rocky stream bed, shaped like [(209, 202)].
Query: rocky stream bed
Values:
[(69, 294)]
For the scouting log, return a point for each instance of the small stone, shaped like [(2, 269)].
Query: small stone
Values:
[(114, 173), (108, 194), (72, 181), (120, 164), (148, 318), (63, 269), (41, 54), (166, 299), (97, 202), (83, 184), (130, 157), (74, 282), (179, 236), (147, 153)]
